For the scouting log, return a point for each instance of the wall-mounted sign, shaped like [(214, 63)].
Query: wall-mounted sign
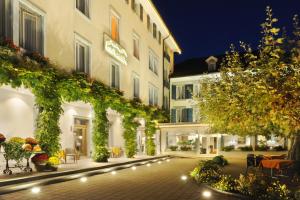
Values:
[(115, 50)]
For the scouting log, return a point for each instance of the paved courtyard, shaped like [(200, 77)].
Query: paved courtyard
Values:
[(158, 182)]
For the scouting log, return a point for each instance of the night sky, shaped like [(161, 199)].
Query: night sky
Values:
[(208, 27)]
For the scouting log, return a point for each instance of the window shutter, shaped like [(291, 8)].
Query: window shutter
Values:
[(174, 92), (173, 115), (190, 115), (184, 115)]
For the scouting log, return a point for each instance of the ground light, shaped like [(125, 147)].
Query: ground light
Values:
[(168, 160), (206, 194), (83, 179), (184, 177), (35, 190), (113, 172), (159, 162), (133, 168), (148, 165)]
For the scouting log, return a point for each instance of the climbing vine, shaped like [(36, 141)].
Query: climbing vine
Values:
[(52, 87)]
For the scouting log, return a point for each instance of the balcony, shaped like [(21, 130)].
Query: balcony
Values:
[(115, 50)]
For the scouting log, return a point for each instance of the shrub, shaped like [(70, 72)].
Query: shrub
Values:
[(13, 150), (53, 161), (279, 148), (185, 148), (206, 172), (101, 154), (226, 183), (246, 148), (228, 148), (220, 160), (262, 148), (173, 148)]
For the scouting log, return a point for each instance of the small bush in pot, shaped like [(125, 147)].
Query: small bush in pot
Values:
[(173, 148), (246, 148), (228, 148), (101, 154), (226, 183)]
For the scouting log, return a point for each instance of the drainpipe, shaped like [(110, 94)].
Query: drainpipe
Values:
[(163, 60)]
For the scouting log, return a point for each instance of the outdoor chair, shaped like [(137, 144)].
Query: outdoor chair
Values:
[(69, 152)]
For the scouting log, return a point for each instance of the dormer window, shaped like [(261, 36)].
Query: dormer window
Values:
[(212, 67), (212, 63)]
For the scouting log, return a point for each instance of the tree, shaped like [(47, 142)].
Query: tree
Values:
[(258, 92)]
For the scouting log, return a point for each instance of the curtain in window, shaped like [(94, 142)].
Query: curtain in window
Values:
[(136, 88), (31, 35), (114, 28), (115, 79), (173, 115), (83, 6), (136, 52), (189, 115), (188, 91)]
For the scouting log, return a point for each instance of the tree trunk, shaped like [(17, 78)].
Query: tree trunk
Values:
[(294, 152)]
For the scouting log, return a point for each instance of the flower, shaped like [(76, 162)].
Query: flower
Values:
[(53, 160), (17, 140), (40, 158), (27, 147), (2, 138), (31, 141)]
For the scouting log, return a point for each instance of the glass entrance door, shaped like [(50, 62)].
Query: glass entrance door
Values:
[(80, 132)]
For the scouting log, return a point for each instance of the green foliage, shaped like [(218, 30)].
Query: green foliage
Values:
[(246, 148), (101, 154), (226, 183), (258, 93), (206, 172), (173, 148), (228, 148), (220, 160), (52, 87), (13, 151)]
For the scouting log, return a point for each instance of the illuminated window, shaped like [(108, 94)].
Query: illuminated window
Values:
[(114, 27), (31, 31), (83, 6), (136, 46)]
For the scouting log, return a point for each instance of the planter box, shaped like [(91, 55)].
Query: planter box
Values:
[(45, 168)]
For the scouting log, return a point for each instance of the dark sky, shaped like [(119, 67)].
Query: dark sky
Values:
[(208, 27)]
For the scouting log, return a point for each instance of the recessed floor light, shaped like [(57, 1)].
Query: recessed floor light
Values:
[(148, 165), (36, 190), (83, 179), (133, 168), (184, 177), (206, 194), (113, 172)]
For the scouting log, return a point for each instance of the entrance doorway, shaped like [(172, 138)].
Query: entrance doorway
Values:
[(80, 136)]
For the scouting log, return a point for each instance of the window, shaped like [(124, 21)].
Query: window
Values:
[(136, 86), (153, 96), (173, 115), (2, 18), (136, 46), (166, 102), (115, 76), (211, 66), (154, 31), (82, 51), (83, 6), (182, 91), (141, 12), (182, 115), (114, 27), (148, 23), (133, 5), (159, 37), (31, 31), (153, 63), (127, 1)]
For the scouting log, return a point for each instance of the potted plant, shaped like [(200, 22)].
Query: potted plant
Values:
[(52, 164), (40, 161)]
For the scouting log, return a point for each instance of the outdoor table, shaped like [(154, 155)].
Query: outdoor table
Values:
[(275, 164), (271, 157)]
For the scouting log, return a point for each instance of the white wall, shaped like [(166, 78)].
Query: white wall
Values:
[(17, 112), (66, 122)]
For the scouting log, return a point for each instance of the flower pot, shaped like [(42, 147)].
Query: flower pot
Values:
[(45, 168)]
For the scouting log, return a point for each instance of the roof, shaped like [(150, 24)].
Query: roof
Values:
[(195, 66)]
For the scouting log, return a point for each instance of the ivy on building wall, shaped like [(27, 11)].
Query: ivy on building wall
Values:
[(52, 87)]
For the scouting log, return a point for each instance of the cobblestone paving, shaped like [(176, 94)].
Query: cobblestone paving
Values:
[(158, 182)]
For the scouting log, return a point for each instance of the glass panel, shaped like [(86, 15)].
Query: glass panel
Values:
[(114, 28)]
